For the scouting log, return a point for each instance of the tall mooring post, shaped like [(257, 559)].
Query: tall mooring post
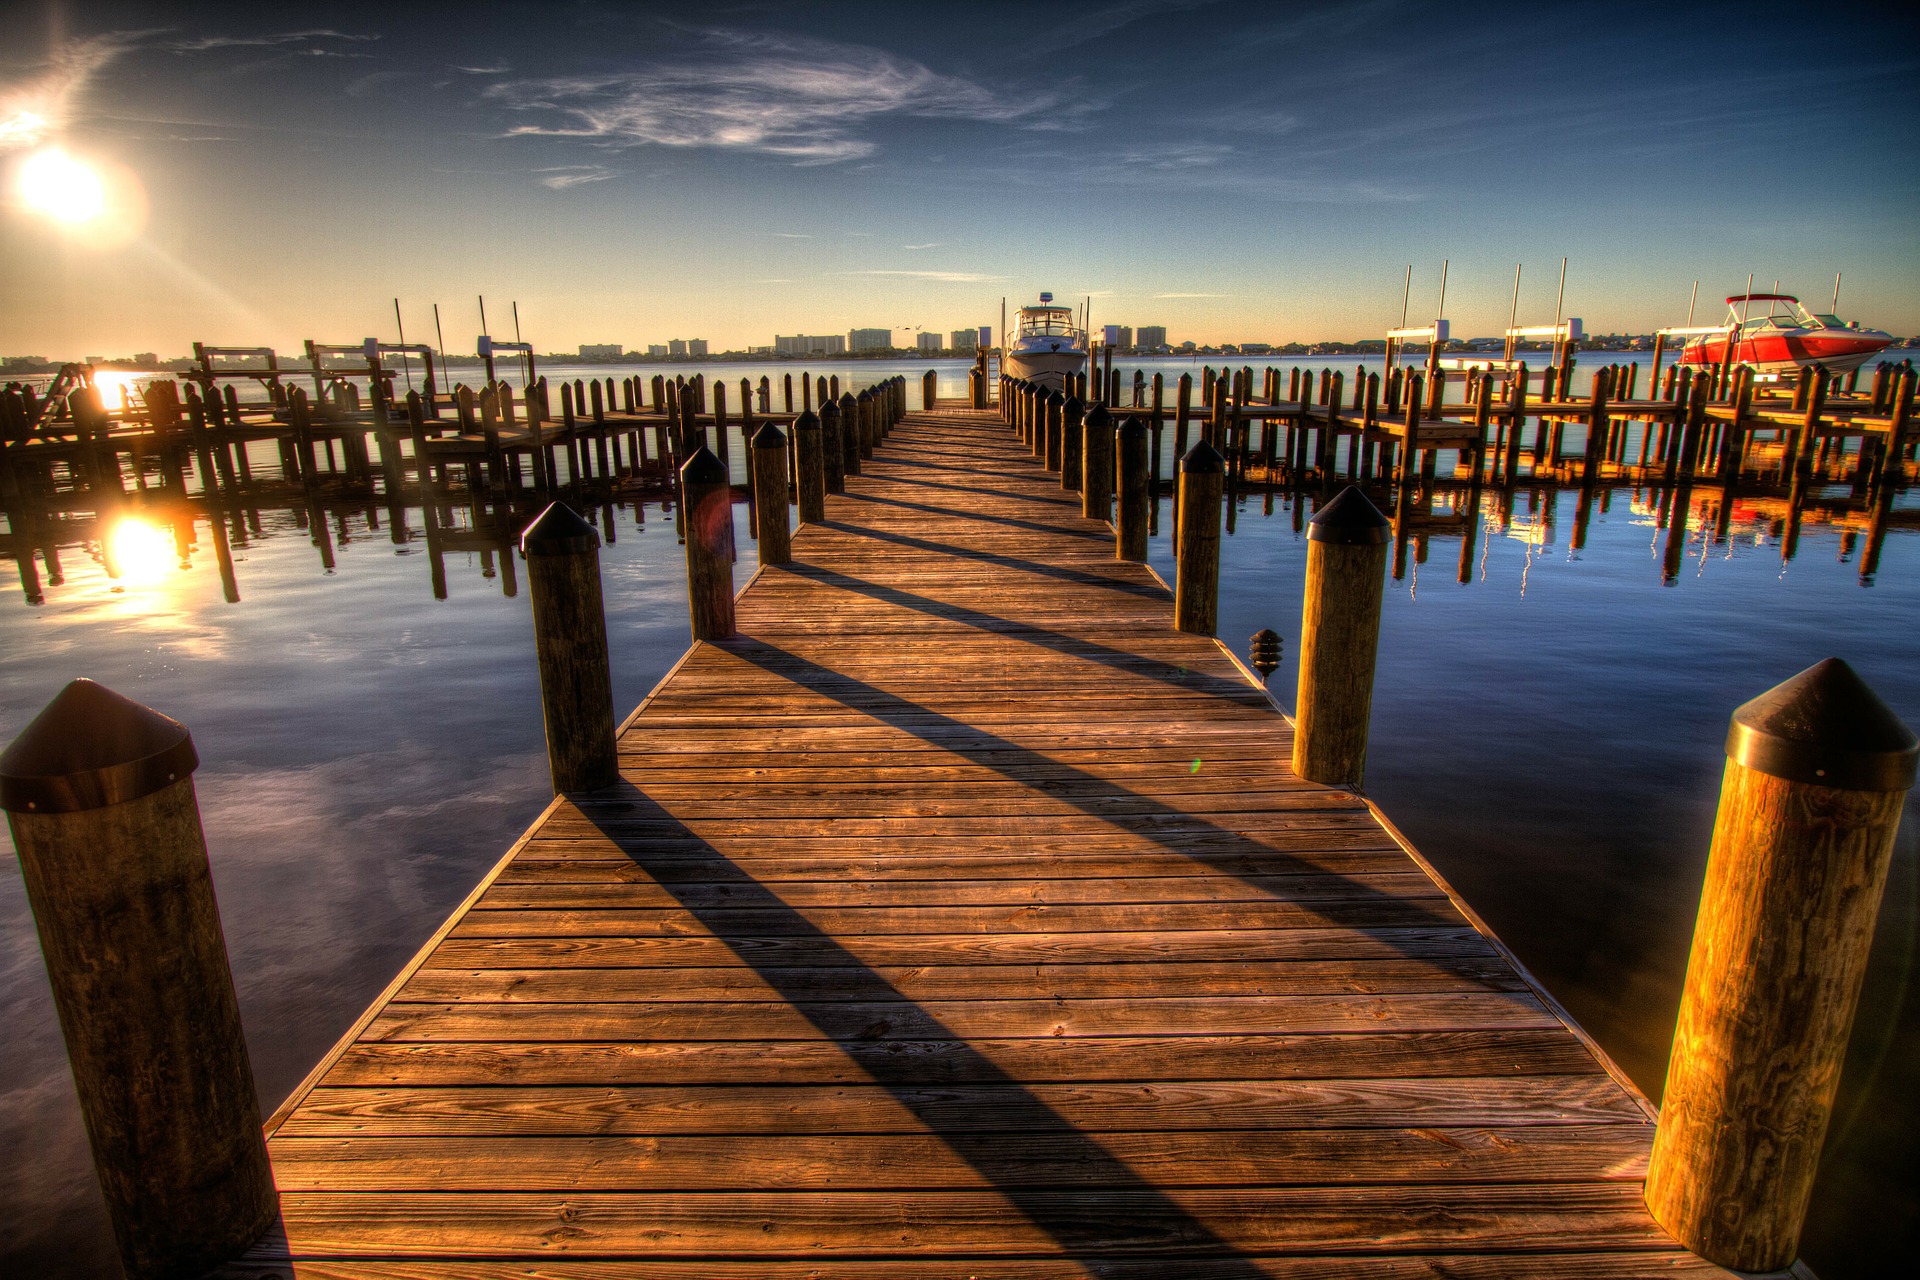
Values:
[(770, 495), (1136, 492), (929, 389), (1096, 466), (99, 797), (810, 468), (570, 637), (709, 510), (1196, 585), (1339, 638), (1817, 771)]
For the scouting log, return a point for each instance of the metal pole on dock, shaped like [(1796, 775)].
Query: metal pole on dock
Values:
[(1817, 771), (99, 796), (708, 498), (1196, 588), (1136, 492), (770, 494), (570, 636), (1339, 638)]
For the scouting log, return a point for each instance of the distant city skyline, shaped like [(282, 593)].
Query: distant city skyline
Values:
[(241, 176)]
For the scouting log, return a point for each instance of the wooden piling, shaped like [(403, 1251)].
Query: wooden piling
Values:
[(1339, 637), (708, 500), (570, 636), (832, 447), (1055, 408), (1817, 771), (851, 450), (929, 385), (1074, 424), (770, 493), (810, 468), (1196, 590), (100, 800), (1096, 470), (1136, 491)]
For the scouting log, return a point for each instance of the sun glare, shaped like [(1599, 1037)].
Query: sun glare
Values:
[(138, 552), (53, 183)]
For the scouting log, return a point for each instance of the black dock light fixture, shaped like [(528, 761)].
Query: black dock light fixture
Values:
[(1264, 652)]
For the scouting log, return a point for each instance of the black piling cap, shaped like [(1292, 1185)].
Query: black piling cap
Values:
[(1826, 728), (1133, 429), (830, 408), (864, 395), (90, 748), (558, 531), (1203, 459), (1075, 410), (1098, 417), (1350, 521), (1058, 397), (769, 437), (701, 467), (847, 401), (807, 421)]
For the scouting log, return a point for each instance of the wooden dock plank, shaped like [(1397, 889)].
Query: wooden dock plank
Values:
[(960, 918)]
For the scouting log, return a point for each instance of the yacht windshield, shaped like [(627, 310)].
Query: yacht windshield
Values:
[(1048, 322)]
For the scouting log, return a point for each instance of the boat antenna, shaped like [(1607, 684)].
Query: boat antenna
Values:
[(402, 326), (483, 312), (1513, 313), (1559, 305), (1443, 292), (1835, 308), (1695, 297), (441, 338)]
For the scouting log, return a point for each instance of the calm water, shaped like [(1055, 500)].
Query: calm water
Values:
[(1548, 732)]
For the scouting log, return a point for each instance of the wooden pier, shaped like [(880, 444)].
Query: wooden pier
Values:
[(960, 917)]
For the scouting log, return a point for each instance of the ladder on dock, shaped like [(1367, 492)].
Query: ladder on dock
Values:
[(960, 917)]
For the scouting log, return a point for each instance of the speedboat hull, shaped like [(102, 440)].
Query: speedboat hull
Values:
[(1840, 350), (1784, 338)]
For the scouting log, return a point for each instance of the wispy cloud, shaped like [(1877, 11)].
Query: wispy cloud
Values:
[(311, 37), (947, 277), (934, 244), (1176, 156), (806, 100), (1192, 295), (44, 105), (793, 235), (561, 176)]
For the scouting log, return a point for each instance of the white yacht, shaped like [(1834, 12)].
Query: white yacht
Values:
[(1046, 345)]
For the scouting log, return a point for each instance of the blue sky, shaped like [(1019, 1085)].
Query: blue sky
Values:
[(631, 173)]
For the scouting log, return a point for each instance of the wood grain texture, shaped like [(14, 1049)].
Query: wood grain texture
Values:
[(959, 916)]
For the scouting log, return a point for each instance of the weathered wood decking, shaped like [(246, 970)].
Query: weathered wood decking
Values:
[(961, 918)]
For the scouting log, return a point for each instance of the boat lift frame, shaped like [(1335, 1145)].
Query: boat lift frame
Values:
[(485, 346), (379, 377)]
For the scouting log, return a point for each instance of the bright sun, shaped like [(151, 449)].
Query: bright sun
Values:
[(63, 188)]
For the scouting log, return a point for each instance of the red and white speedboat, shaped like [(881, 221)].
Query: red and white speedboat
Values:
[(1784, 339)]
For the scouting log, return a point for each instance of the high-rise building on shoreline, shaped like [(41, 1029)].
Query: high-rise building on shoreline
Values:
[(809, 344), (870, 340), (928, 343), (1151, 337), (601, 350)]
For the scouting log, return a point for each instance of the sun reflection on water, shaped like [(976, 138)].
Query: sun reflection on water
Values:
[(137, 552)]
